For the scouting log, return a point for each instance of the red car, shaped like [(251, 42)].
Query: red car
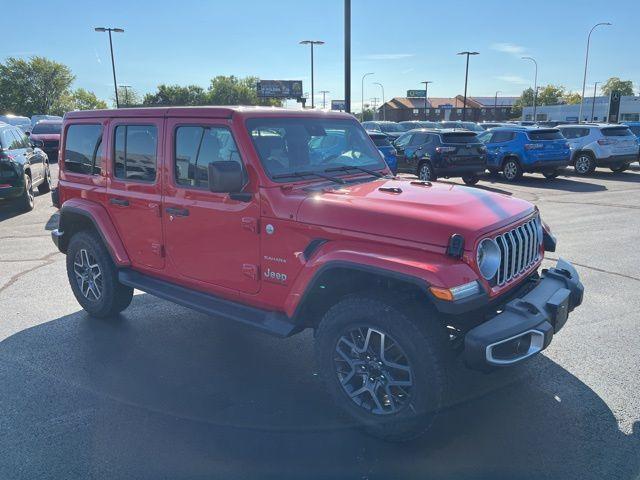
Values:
[(48, 131), (245, 213)]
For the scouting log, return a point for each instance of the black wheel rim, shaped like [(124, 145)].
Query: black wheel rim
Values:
[(373, 370), (88, 275)]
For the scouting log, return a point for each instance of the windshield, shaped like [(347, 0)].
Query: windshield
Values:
[(380, 140), (46, 128), (391, 128), (287, 146)]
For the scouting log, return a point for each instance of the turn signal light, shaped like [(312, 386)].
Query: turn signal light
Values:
[(456, 293)]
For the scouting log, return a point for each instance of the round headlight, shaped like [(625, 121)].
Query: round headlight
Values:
[(488, 258)]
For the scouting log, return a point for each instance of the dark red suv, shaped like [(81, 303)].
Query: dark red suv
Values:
[(245, 213)]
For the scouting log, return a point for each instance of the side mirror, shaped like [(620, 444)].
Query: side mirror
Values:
[(37, 143), (226, 177), (27, 133)]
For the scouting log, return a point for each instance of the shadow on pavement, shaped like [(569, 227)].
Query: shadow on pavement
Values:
[(162, 392), (563, 182)]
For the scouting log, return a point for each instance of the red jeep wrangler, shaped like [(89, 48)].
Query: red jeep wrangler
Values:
[(287, 220)]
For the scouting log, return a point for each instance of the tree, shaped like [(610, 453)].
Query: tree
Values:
[(232, 90), (30, 87), (551, 95), (625, 87), (525, 100), (79, 99), (176, 95), (127, 97), (572, 98)]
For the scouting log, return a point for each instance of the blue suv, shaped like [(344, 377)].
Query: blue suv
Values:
[(515, 150), (386, 149)]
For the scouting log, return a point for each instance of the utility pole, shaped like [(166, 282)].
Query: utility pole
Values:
[(593, 103), (374, 107), (362, 95), (384, 116), (495, 105), (113, 63), (426, 98), (466, 78), (347, 56), (535, 86), (311, 43), (324, 99)]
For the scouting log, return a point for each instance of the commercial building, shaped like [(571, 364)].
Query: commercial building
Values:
[(479, 109), (591, 111)]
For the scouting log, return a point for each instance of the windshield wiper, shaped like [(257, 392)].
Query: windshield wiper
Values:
[(308, 174), (345, 168)]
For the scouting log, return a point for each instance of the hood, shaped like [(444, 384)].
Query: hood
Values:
[(417, 211)]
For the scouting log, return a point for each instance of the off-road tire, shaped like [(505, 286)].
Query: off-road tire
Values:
[(45, 186), (114, 296), (26, 201), (471, 179), (422, 338), (425, 172), (512, 170)]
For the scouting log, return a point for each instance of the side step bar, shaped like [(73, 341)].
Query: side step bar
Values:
[(275, 323)]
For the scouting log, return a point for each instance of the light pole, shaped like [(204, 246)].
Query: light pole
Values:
[(535, 86), (586, 62), (426, 97), (126, 93), (466, 77), (324, 98), (362, 95), (384, 116), (113, 63), (593, 103), (495, 105), (312, 43), (347, 56)]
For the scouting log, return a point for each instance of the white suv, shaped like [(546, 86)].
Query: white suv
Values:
[(600, 145)]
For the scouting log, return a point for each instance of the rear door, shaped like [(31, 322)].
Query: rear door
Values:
[(400, 145), (211, 237), (22, 147), (134, 188)]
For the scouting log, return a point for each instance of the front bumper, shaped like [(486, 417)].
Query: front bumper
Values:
[(527, 324)]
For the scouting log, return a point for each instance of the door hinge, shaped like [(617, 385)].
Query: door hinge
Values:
[(251, 224), (250, 270)]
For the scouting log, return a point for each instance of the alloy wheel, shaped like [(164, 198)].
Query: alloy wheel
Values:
[(425, 172), (373, 370), (88, 275), (510, 170), (583, 163), (30, 195)]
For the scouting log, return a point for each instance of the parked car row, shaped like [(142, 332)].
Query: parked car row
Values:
[(465, 149)]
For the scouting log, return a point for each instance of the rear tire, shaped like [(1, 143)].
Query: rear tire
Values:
[(94, 278), (405, 346), (621, 168), (550, 174), (584, 164), (45, 186), (512, 170), (426, 173), (471, 179), (26, 201)]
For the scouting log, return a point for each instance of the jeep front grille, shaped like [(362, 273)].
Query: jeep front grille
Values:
[(519, 250)]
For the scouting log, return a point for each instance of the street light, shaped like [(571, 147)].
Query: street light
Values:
[(312, 43), (426, 90), (384, 116), (126, 93), (113, 63), (495, 105), (362, 95), (535, 86), (466, 77), (593, 103), (586, 62), (324, 98)]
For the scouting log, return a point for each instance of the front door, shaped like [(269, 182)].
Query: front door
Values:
[(211, 237), (400, 145), (134, 188)]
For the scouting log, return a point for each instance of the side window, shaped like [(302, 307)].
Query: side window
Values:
[(485, 137), (419, 139), (404, 140), (83, 149), (22, 141), (135, 152), (196, 147), (16, 142), (501, 137)]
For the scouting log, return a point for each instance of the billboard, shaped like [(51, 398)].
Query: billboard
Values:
[(338, 105), (614, 106), (416, 93), (279, 88)]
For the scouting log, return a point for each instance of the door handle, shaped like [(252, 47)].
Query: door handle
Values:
[(178, 212), (119, 202)]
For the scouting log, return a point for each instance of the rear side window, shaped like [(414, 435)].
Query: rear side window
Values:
[(459, 137), (635, 130), (616, 132), (135, 152), (545, 135), (574, 132), (380, 141), (419, 139), (83, 149), (499, 137), (196, 147)]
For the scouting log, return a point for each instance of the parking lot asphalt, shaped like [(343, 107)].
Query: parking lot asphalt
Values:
[(165, 392)]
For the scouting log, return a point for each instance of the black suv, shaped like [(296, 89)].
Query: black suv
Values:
[(23, 166), (441, 153)]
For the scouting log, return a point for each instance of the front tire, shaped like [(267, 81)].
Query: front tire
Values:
[(94, 278), (26, 201), (383, 365), (45, 186), (471, 179), (512, 170), (426, 173), (584, 164)]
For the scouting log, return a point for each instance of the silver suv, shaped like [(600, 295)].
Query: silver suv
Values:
[(600, 145)]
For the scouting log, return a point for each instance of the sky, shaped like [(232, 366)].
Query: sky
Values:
[(403, 42)]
